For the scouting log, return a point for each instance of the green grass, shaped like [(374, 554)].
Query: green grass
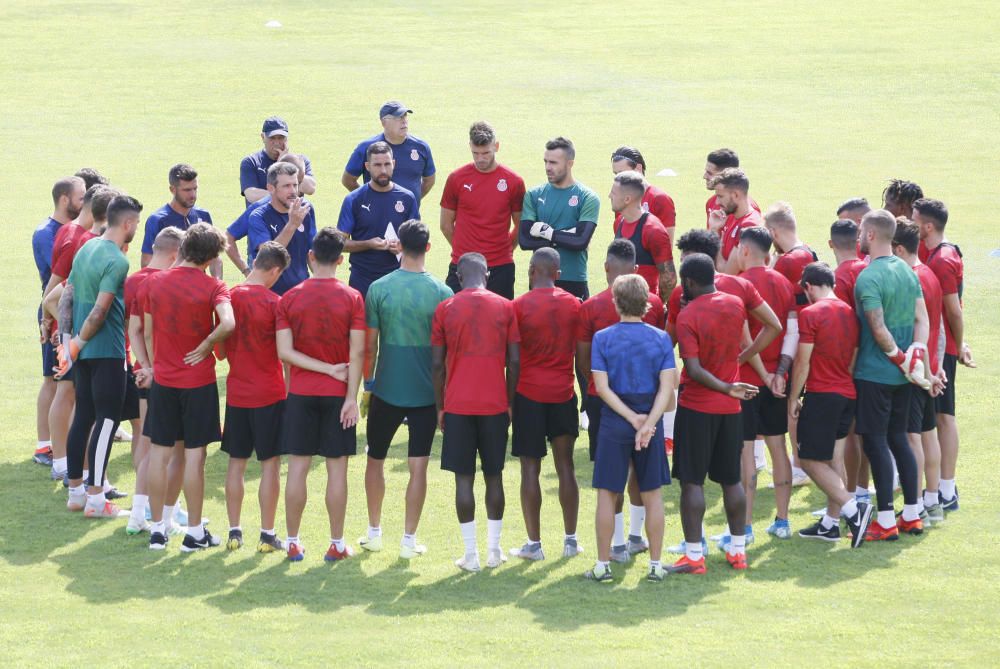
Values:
[(823, 101)]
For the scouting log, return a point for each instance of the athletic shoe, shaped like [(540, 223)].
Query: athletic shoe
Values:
[(818, 513), (800, 479), (637, 544), (737, 561), (859, 523), (529, 551), (620, 554), (495, 558), (269, 543), (878, 533), (235, 540), (76, 502), (723, 540), (296, 553), (410, 552), (686, 566), (599, 575), (950, 504), (681, 548), (780, 529), (108, 510), (468, 563), (333, 554), (935, 514), (157, 541), (190, 544), (656, 573), (865, 497), (58, 476), (123, 435), (571, 548), (371, 544), (134, 528), (668, 446), (43, 456), (913, 527), (115, 493), (817, 531)]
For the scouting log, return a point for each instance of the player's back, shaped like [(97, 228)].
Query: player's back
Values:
[(792, 264), (845, 276), (255, 373), (547, 322), (930, 286), (710, 328), (832, 328)]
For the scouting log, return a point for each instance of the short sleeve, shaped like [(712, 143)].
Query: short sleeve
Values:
[(113, 278), (358, 312), (590, 210), (655, 315), (517, 195), (598, 361), (62, 261), (248, 175), (807, 327), (513, 332), (281, 321), (674, 305), (257, 231), (585, 325), (528, 207), (751, 298), (241, 226), (414, 208), (949, 276), (656, 239), (667, 361), (152, 229), (437, 326), (687, 338), (429, 168), (449, 196), (309, 166), (664, 209), (345, 223), (372, 300), (221, 294), (356, 163), (866, 293)]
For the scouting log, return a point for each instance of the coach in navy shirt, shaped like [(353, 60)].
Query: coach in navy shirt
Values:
[(180, 212), (253, 169), (367, 214), (287, 219), (414, 164)]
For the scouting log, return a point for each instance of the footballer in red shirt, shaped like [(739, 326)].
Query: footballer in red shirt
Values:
[(652, 243), (715, 162), (794, 254), (321, 326), (824, 368), (945, 260), (481, 212), (734, 215), (255, 395), (187, 312), (475, 360), (707, 435), (545, 406), (654, 200)]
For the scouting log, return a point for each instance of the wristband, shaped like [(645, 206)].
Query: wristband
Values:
[(896, 356)]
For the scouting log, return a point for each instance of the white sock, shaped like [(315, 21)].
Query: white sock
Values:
[(653, 564), (887, 519), (197, 531), (493, 528), (931, 498), (637, 518), (849, 509), (827, 522), (693, 550), (293, 540), (469, 537), (139, 507), (59, 465), (96, 501), (947, 488), (861, 492), (86, 474), (600, 566), (911, 512), (338, 543), (409, 540), (78, 490), (569, 537), (159, 527), (738, 544), (618, 539), (758, 449), (798, 472), (374, 532), (45, 444), (920, 505), (168, 515)]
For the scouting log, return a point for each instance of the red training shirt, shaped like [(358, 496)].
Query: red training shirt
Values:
[(661, 205), (475, 326), (777, 291), (256, 378), (321, 314), (654, 245), (182, 302), (731, 229), (945, 260), (547, 323), (133, 303), (845, 276), (483, 203), (710, 328), (791, 265), (832, 328), (933, 298), (712, 204), (726, 283), (68, 241)]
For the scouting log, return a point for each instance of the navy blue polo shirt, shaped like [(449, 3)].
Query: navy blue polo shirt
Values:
[(266, 223), (253, 171), (164, 217), (413, 162), (240, 228)]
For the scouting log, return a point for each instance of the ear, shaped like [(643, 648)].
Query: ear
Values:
[(829, 243), (496, 146), (427, 248)]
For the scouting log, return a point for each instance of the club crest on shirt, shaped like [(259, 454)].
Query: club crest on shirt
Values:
[(399, 206), (414, 155), (302, 227), (573, 201), (645, 207), (502, 185)]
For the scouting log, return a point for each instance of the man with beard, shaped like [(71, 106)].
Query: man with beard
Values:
[(732, 195), (715, 162), (180, 212)]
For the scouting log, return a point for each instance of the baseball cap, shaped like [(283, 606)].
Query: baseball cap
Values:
[(394, 108), (275, 125)]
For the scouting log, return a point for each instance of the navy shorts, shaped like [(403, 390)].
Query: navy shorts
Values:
[(48, 358), (616, 451)]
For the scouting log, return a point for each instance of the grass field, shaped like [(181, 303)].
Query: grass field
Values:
[(823, 101)]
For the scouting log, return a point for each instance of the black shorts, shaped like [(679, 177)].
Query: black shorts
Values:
[(882, 409), (143, 393), (190, 415), (825, 419), (594, 404), (48, 359), (256, 430), (923, 414), (465, 436), (765, 415), (311, 426), (130, 407), (577, 288), (500, 280), (707, 444), (945, 402), (384, 420), (537, 422)]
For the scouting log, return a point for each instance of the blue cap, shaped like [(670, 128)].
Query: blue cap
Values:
[(275, 125), (394, 108)]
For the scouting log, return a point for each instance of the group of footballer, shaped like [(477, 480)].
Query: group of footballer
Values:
[(856, 363)]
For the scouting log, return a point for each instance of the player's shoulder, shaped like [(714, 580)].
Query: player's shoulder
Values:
[(401, 191), (159, 214), (585, 191), (202, 214), (413, 139), (461, 171), (655, 301), (368, 141), (506, 173)]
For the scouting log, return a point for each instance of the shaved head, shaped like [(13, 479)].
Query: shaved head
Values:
[(545, 261), (472, 270)]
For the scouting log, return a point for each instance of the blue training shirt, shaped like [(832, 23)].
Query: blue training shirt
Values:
[(266, 223), (241, 226), (253, 171), (413, 162), (164, 217), (366, 214), (632, 355), (42, 241)]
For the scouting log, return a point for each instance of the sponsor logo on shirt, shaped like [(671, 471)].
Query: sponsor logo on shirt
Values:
[(645, 207), (302, 227), (414, 155), (274, 228), (399, 206), (542, 200), (502, 185), (573, 201), (367, 207), (467, 187)]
